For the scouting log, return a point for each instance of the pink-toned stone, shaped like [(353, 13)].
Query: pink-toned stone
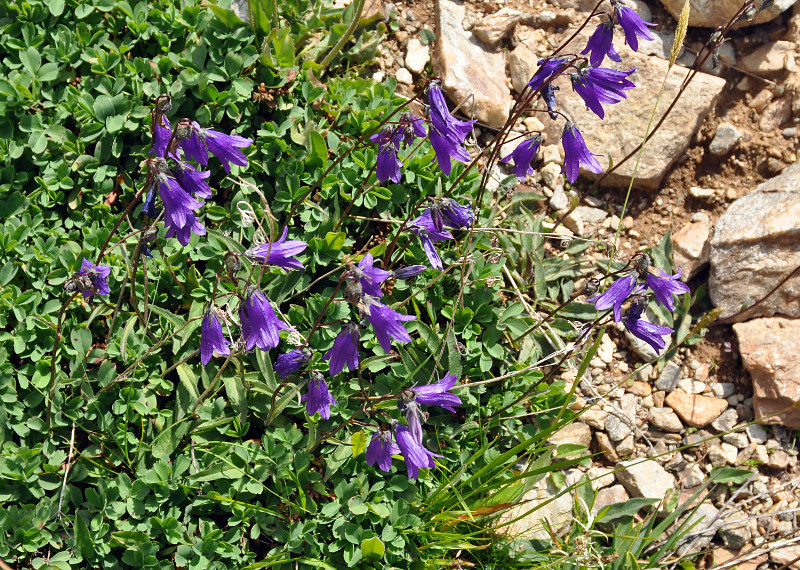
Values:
[(691, 246), (639, 388), (695, 410), (770, 349), (776, 114)]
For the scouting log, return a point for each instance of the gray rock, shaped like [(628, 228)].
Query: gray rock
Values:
[(643, 373), (756, 433), (737, 439), (735, 536), (609, 496), (559, 200), (666, 420), (669, 377), (468, 69), (624, 125), (692, 245), (619, 423), (726, 137), (769, 349), (522, 64), (591, 215), (645, 479), (755, 245), (726, 420), (594, 417), (722, 389), (705, 194), (693, 477), (701, 521), (626, 447), (417, 56), (710, 14), (552, 177)]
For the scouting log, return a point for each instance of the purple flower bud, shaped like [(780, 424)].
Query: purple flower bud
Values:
[(666, 286), (211, 338), (388, 167), (381, 449), (290, 362), (523, 156), (414, 420), (576, 153), (408, 271), (548, 94), (344, 351), (547, 70), (318, 398), (438, 394), (279, 253)]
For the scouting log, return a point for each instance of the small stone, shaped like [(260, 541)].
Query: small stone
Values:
[(704, 194), (760, 454), (658, 398), (551, 176), (726, 420), (691, 246), (643, 350), (576, 433), (404, 76), (786, 555), (591, 215), (735, 536), (643, 373), (693, 477), (722, 389), (559, 200), (379, 76), (790, 132), (619, 423), (600, 476), (717, 457), (730, 452), (417, 56), (695, 410), (668, 379), (666, 420), (736, 439), (613, 495), (626, 446), (761, 100), (494, 28), (594, 417), (522, 64), (642, 389), (775, 115), (756, 433), (726, 137), (645, 479), (575, 223), (606, 447), (778, 459), (533, 124)]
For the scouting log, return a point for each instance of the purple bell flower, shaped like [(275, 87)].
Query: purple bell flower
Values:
[(344, 351), (388, 141), (387, 323), (601, 44), (633, 26), (447, 134), (648, 332), (410, 127), (161, 138), (425, 229), (318, 398), (597, 85), (290, 362), (616, 295), (260, 325), (193, 180), (370, 276), (279, 253), (91, 279), (455, 215), (576, 153), (211, 338), (416, 456), (523, 156), (414, 419), (381, 449), (547, 70), (179, 206), (666, 286), (224, 147), (438, 394)]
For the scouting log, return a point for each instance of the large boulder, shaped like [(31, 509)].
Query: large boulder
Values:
[(713, 13), (755, 246), (770, 349), (470, 72)]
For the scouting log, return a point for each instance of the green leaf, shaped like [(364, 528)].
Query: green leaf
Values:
[(357, 506), (83, 545), (31, 60), (318, 151), (227, 17), (359, 442), (730, 475), (56, 7), (626, 509), (372, 549), (169, 439), (104, 108)]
